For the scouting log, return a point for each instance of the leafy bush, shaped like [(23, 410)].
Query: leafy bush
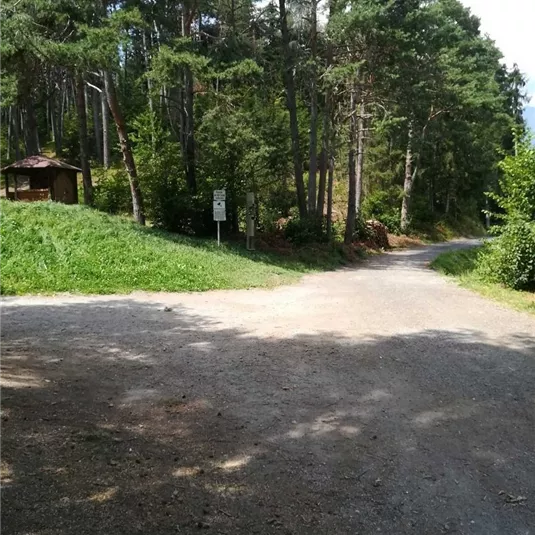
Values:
[(517, 185), (510, 258), (384, 206), (307, 230), (112, 191)]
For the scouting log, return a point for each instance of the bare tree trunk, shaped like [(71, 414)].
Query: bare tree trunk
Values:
[(16, 131), (149, 87), (97, 124), (190, 136), (189, 132), (60, 120), (47, 115), (320, 206), (360, 159), (328, 141), (56, 120), (82, 134), (292, 108), (352, 189), (450, 195), (330, 184), (313, 149), (128, 158), (105, 131), (407, 184), (31, 135), (9, 123)]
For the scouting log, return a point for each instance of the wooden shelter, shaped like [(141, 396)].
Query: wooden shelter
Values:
[(38, 178)]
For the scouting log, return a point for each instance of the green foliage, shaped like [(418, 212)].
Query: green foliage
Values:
[(112, 191), (458, 262), (464, 265), (384, 206), (50, 247), (510, 258), (302, 231), (210, 95), (517, 185)]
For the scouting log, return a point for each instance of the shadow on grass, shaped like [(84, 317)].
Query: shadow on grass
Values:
[(301, 259), (121, 418)]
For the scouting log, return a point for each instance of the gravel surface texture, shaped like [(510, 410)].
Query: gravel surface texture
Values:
[(382, 399)]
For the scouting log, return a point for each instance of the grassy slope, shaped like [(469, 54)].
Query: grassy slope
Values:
[(461, 265), (50, 247)]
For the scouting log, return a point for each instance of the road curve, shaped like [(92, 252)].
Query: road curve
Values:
[(382, 399)]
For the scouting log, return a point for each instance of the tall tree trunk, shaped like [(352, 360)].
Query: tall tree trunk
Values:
[(313, 144), (54, 122), (47, 115), (97, 124), (149, 87), (60, 120), (352, 189), (9, 136), (84, 145), (16, 131), (128, 158), (323, 164), (105, 131), (407, 184), (292, 108), (31, 134), (360, 159), (450, 195), (328, 140), (330, 185), (189, 132)]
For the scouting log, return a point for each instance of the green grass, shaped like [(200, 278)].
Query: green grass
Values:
[(441, 231), (49, 248), (462, 266)]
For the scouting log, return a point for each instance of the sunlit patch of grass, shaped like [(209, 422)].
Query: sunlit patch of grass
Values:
[(462, 266), (50, 248)]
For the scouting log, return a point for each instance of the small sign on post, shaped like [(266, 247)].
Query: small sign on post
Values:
[(220, 195), (220, 213), (251, 218)]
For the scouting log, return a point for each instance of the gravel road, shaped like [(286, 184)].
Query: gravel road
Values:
[(383, 399)]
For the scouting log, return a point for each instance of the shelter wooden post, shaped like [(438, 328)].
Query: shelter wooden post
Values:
[(51, 180)]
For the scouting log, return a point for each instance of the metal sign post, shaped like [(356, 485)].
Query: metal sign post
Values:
[(220, 213), (251, 218)]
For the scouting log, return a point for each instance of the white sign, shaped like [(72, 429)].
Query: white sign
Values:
[(220, 211), (220, 195)]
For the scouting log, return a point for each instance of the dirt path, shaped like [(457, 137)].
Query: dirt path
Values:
[(378, 400)]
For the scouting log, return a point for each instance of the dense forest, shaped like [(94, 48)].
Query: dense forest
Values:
[(396, 110)]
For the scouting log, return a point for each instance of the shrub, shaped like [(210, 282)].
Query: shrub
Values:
[(307, 230), (384, 206), (510, 258), (112, 191)]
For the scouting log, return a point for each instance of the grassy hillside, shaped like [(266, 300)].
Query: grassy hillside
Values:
[(462, 266), (50, 247)]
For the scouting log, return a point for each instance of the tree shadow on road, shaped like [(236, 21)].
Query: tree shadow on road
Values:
[(174, 424)]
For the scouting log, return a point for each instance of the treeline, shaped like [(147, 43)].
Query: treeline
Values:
[(400, 109)]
